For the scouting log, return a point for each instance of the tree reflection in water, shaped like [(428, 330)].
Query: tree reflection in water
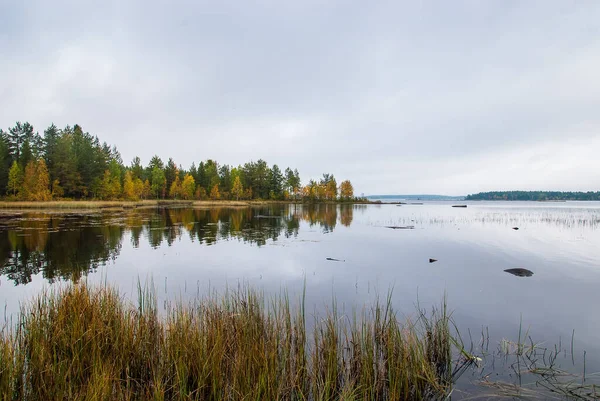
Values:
[(69, 245)]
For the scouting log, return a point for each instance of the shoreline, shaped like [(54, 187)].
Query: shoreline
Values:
[(95, 204)]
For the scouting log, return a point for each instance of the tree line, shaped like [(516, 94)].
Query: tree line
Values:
[(535, 196), (69, 163)]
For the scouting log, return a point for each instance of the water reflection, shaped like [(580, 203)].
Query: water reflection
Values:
[(69, 245)]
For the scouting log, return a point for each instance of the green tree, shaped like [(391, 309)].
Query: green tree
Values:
[(171, 172), (5, 161), (17, 137), (137, 171), (15, 178), (158, 182)]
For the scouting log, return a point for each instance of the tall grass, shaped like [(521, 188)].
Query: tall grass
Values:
[(88, 343)]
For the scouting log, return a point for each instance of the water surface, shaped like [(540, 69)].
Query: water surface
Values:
[(186, 252)]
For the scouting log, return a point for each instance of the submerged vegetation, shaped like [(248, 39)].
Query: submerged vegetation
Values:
[(70, 163), (89, 343)]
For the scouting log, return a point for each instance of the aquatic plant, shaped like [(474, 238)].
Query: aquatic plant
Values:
[(82, 342)]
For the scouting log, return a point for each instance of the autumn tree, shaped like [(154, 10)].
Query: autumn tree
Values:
[(57, 190), (42, 185), (214, 192), (346, 190), (175, 189), (15, 178), (27, 190), (188, 186), (147, 190), (138, 188), (238, 189), (110, 187), (129, 192)]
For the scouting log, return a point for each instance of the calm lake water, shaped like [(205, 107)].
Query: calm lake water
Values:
[(186, 252)]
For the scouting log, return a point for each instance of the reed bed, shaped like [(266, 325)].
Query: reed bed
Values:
[(89, 343)]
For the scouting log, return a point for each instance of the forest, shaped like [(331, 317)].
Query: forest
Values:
[(69, 163), (535, 196)]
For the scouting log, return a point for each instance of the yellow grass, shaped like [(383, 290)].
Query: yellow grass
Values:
[(82, 343), (78, 204)]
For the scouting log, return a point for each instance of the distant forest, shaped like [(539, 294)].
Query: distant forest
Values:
[(535, 196), (69, 163)]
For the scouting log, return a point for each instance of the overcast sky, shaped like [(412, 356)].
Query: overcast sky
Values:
[(448, 97)]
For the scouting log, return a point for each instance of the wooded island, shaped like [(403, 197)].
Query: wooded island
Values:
[(69, 163), (535, 196)]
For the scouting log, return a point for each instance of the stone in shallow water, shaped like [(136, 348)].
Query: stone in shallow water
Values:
[(520, 272)]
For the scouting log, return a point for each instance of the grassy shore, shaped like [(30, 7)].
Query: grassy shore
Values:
[(82, 343), (96, 204)]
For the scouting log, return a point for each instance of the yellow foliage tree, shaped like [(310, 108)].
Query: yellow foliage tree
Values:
[(346, 190), (42, 187), (214, 192), (36, 182), (331, 190), (29, 185), (147, 191), (175, 190), (237, 189), (129, 188), (188, 186), (57, 190), (138, 188), (110, 187)]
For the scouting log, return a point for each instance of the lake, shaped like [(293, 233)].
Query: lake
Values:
[(347, 252)]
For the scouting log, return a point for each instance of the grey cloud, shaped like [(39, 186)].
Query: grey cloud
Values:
[(389, 94)]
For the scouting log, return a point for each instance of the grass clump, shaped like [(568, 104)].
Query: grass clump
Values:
[(88, 343)]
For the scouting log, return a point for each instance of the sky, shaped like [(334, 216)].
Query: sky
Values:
[(444, 97)]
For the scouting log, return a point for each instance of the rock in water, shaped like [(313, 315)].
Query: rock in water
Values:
[(520, 272), (432, 260), (515, 228)]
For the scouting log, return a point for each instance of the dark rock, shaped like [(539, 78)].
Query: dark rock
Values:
[(520, 272), (515, 228), (335, 260), (432, 260), (459, 205), (401, 227)]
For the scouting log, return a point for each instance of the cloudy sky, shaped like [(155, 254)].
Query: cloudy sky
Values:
[(449, 97)]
